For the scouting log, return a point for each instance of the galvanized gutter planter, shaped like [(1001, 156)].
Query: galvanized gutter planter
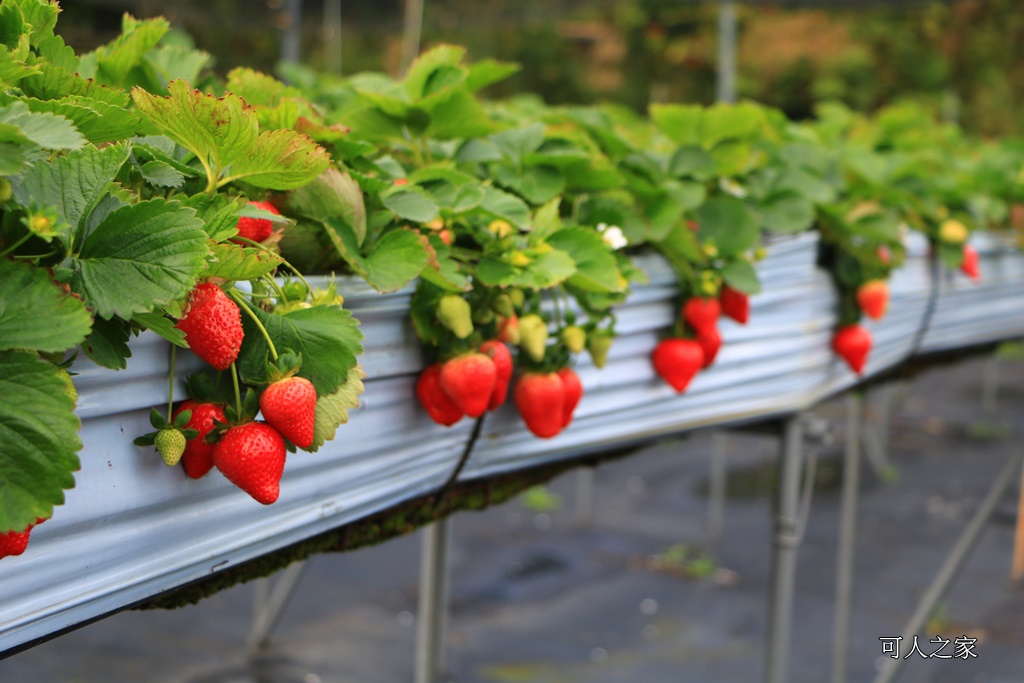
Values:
[(133, 528)]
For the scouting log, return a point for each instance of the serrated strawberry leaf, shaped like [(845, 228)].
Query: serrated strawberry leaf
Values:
[(38, 439), (596, 267), (218, 212), (13, 70), (160, 324), (328, 338), (37, 314), (48, 130), (235, 262), (55, 82), (111, 64), (411, 204), (141, 256), (396, 258), (73, 184), (545, 270), (499, 204), (223, 132), (332, 409), (107, 344), (332, 193), (98, 121)]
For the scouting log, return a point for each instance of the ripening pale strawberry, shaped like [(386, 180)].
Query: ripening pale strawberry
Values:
[(599, 343), (677, 361), (469, 381), (573, 393), (575, 338), (970, 263), (198, 456), (433, 398), (212, 325), (873, 298), (710, 342), (257, 229), (533, 336), (289, 406), (953, 231), (540, 399), (252, 457), (508, 329), (735, 304), (701, 313), (852, 343), (502, 358), (454, 313)]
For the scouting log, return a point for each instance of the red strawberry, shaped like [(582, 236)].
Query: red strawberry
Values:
[(884, 255), (502, 358), (289, 406), (573, 394), (508, 329), (252, 457), (677, 361), (257, 229), (540, 398), (852, 343), (213, 326), (710, 341), (873, 298), (969, 265), (198, 456), (700, 313), (434, 400), (735, 304), (469, 381), (14, 542)]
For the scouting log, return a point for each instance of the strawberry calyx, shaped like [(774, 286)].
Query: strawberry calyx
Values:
[(287, 365)]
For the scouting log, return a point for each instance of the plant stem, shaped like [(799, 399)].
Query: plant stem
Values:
[(238, 394), (284, 261), (243, 304), (558, 308), (17, 244), (276, 287), (170, 385)]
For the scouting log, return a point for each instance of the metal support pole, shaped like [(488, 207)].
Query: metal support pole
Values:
[(955, 561), (847, 535), (411, 32), (716, 483), (726, 51), (786, 540), (291, 41), (332, 36), (585, 495), (433, 602), (269, 604)]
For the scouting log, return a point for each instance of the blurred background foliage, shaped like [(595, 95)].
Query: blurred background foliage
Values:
[(961, 58)]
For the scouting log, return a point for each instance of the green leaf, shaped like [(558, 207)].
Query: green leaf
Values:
[(692, 161), (223, 132), (456, 117), (741, 276), (545, 270), (731, 122), (548, 219), (115, 60), (142, 255), (536, 184), (410, 203), (332, 409), (487, 72), (728, 224), (54, 83), (596, 267), (41, 16), (500, 204), (427, 65), (235, 262), (218, 212), (73, 184), (682, 122), (787, 212), (13, 70), (107, 344), (328, 338), (49, 131), (681, 248), (332, 193), (173, 62), (443, 270), (394, 260), (98, 121), (37, 314), (518, 142), (38, 439), (161, 325)]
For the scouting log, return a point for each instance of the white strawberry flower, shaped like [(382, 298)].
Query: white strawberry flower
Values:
[(612, 235)]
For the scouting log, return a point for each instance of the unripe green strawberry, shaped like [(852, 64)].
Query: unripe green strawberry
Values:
[(575, 338), (170, 444), (598, 344), (533, 336), (502, 305), (213, 326), (5, 190), (517, 297), (289, 406), (454, 313)]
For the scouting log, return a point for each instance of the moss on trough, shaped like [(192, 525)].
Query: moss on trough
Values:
[(398, 520)]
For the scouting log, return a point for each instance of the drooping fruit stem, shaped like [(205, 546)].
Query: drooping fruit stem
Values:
[(170, 384), (284, 262), (243, 304), (238, 393)]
